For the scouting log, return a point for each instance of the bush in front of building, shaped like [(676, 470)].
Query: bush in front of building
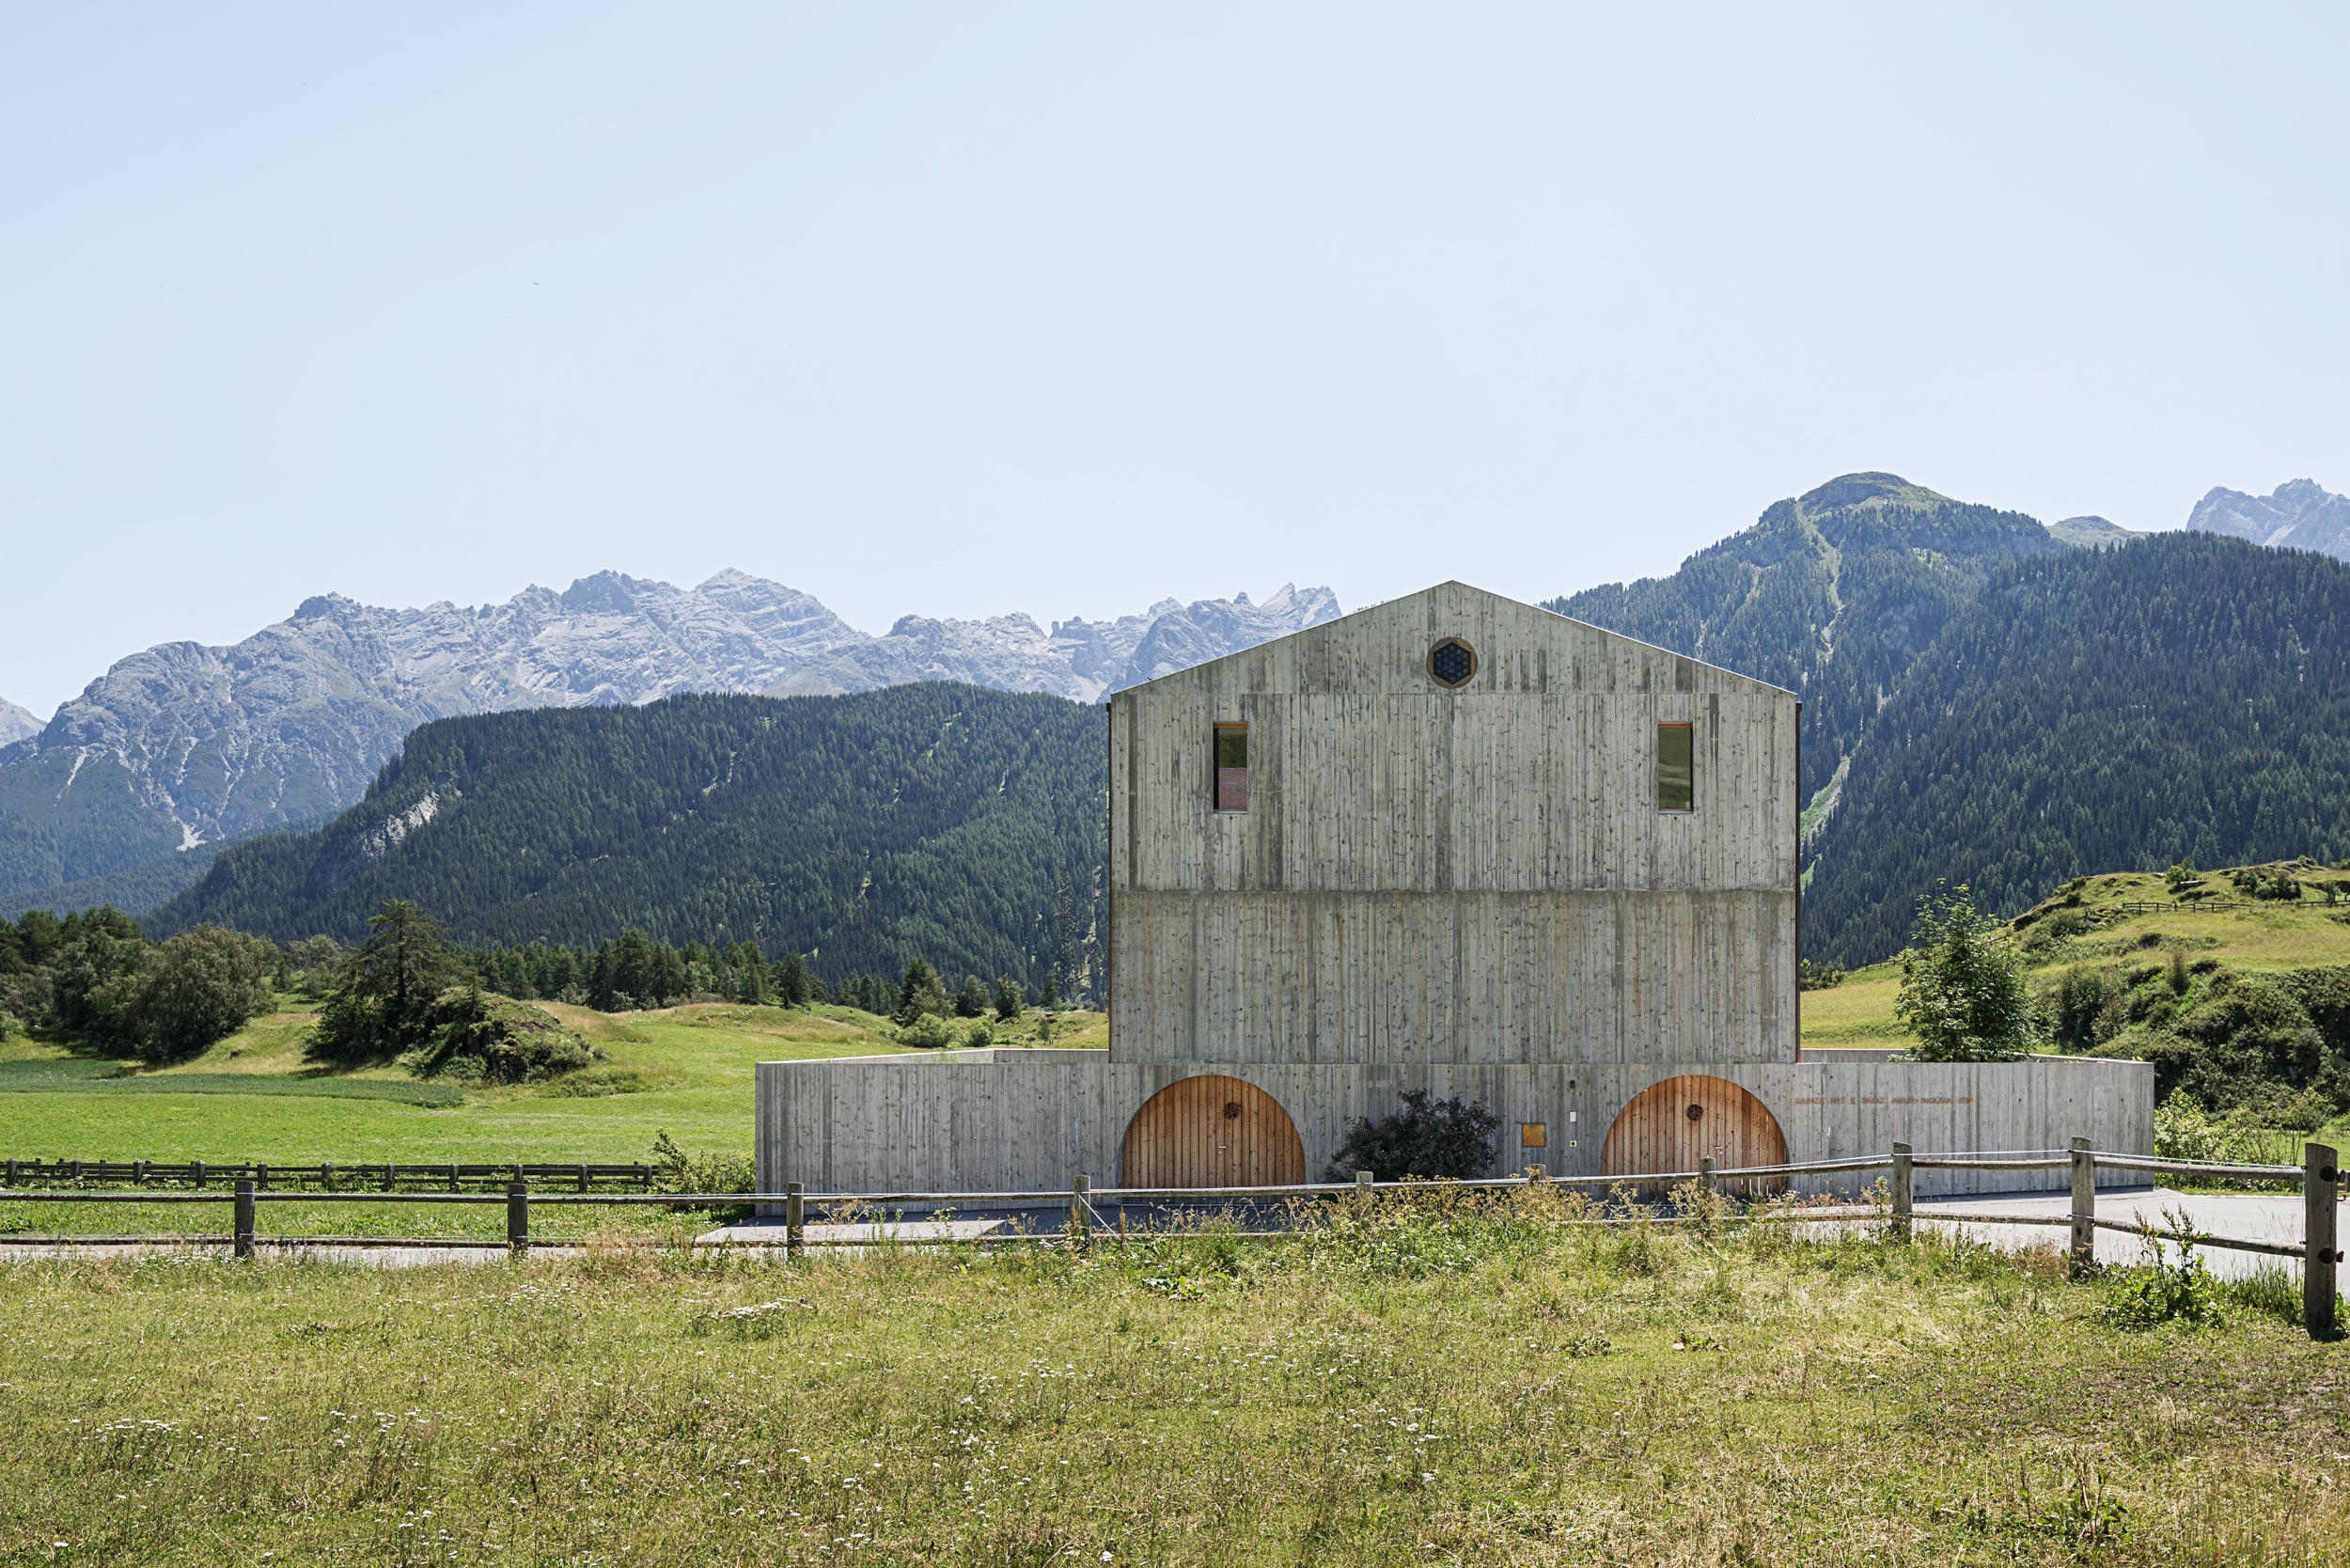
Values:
[(1443, 1138), (1963, 992)]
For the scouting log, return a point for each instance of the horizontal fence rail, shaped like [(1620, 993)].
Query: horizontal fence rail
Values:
[(2319, 1175), (326, 1176), (2190, 904)]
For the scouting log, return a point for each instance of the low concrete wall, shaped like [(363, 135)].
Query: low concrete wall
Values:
[(1018, 1120)]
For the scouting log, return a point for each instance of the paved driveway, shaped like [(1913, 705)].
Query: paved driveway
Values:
[(2254, 1217)]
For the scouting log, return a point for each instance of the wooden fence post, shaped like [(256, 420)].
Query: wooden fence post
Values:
[(1081, 1209), (11, 1174), (241, 1229), (517, 1217), (260, 1176), (2084, 1252), (196, 1170), (1705, 1174), (2321, 1176), (1362, 1187), (794, 1220), (1904, 1193)]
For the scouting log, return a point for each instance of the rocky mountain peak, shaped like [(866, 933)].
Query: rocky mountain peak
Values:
[(1856, 490), (607, 590), (2088, 531), (2299, 514), (325, 607), (16, 724), (1079, 659)]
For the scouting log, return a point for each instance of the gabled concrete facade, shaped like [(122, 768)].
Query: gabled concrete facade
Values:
[(1477, 873)]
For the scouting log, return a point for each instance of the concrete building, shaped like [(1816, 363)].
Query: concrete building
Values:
[(1453, 843)]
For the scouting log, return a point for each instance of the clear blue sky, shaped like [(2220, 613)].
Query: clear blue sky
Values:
[(963, 309)]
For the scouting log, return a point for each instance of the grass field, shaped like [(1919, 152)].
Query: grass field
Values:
[(2267, 936), (686, 1069), (1458, 1386)]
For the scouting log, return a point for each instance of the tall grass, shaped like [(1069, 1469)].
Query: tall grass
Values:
[(1450, 1377)]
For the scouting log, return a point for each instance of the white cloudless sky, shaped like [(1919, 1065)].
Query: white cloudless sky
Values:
[(960, 311)]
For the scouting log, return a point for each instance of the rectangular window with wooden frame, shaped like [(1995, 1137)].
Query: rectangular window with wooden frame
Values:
[(1232, 767), (1676, 767)]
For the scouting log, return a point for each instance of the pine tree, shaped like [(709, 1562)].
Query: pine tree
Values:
[(748, 981), (971, 1001), (919, 993), (382, 1004)]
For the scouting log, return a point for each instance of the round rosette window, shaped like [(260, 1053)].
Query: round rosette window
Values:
[(1453, 663)]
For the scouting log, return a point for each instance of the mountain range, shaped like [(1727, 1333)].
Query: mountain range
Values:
[(1985, 697), (16, 724), (2179, 697), (2298, 515), (186, 745)]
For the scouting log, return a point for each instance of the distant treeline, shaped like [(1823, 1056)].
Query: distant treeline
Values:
[(95, 975), (634, 971)]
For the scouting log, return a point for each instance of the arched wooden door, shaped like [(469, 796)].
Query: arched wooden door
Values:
[(1212, 1131), (1671, 1126)]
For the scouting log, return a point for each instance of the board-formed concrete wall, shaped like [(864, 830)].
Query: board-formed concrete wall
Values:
[(1429, 875), (1030, 1121)]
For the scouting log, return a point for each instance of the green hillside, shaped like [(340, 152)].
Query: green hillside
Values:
[(2234, 983), (2119, 919), (2182, 697), (1833, 595), (66, 816), (962, 825)]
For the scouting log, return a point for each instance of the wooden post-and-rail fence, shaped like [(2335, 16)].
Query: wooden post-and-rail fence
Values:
[(326, 1176), (2319, 1175)]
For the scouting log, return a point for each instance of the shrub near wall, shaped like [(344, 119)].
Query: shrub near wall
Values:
[(1443, 1138)]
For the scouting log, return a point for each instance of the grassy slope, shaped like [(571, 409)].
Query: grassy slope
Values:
[(1859, 1013), (694, 1064), (1411, 1396)]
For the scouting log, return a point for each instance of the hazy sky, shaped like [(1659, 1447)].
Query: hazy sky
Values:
[(963, 309)]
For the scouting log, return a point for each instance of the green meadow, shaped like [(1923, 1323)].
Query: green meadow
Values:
[(688, 1070), (1435, 1382)]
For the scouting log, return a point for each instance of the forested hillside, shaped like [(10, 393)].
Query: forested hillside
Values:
[(2182, 697), (957, 824), (1832, 595), (182, 745)]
